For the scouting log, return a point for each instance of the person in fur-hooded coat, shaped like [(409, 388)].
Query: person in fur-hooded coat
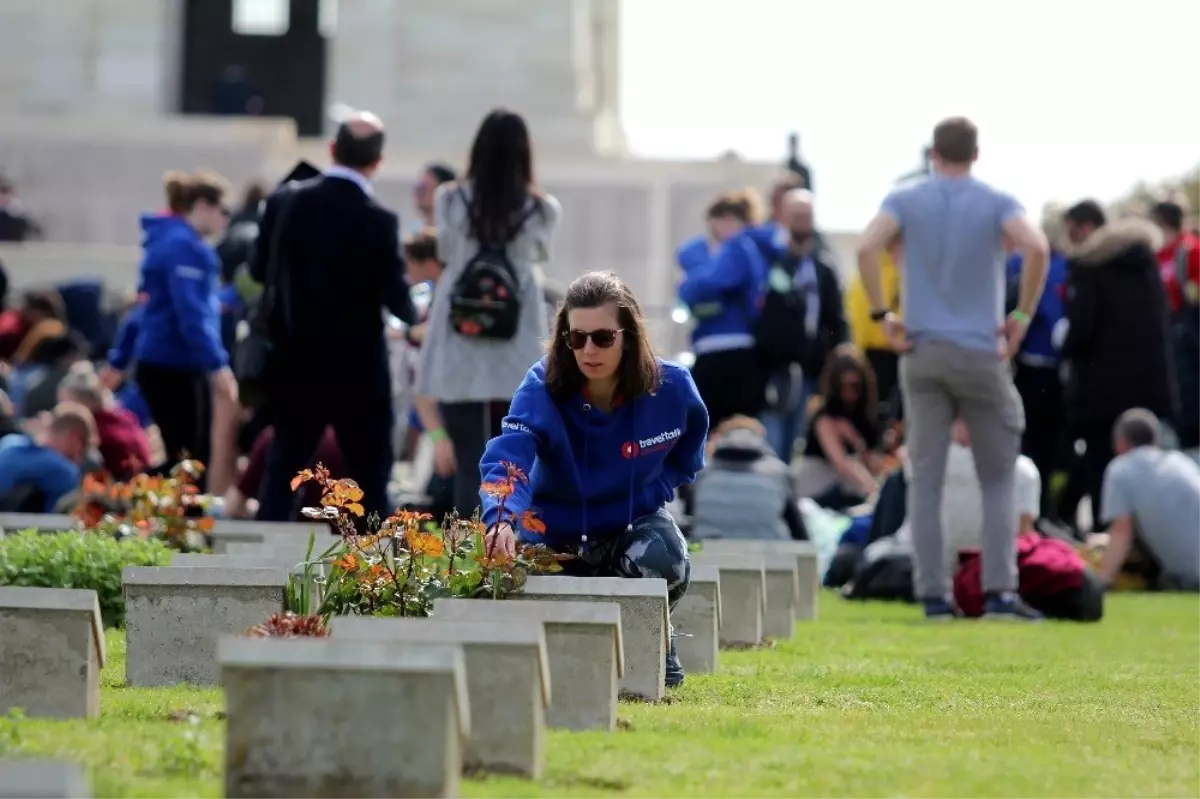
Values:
[(1117, 343)]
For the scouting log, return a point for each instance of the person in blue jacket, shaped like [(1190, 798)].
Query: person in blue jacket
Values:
[(722, 287), (1037, 372), (178, 346), (606, 433)]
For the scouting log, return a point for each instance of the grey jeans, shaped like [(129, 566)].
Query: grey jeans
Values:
[(942, 381)]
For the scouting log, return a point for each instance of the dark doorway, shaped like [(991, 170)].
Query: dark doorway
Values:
[(270, 66)]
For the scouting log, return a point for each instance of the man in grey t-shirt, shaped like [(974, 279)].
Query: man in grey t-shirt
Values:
[(1151, 496), (956, 344)]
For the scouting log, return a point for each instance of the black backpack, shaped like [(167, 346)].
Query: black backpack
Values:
[(485, 302), (779, 330)]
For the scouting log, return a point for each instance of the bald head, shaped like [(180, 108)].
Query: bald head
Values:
[(796, 213), (358, 143)]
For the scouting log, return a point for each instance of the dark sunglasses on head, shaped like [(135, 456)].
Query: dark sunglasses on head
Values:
[(577, 339)]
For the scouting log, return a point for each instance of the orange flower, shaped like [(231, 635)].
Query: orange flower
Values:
[(497, 490), (515, 473), (425, 544), (531, 523), (375, 571), (301, 478), (347, 562), (407, 517), (94, 484), (498, 561)]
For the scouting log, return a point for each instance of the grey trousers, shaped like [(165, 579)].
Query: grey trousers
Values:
[(942, 381)]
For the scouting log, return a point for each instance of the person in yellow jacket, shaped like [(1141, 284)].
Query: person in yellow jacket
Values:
[(868, 336)]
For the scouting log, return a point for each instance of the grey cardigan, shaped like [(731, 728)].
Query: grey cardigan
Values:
[(458, 369)]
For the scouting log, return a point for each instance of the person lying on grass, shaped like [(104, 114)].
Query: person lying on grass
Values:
[(606, 432)]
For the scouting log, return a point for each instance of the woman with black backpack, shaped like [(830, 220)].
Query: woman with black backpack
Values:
[(488, 321)]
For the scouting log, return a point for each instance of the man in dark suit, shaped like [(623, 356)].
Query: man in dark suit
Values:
[(339, 266)]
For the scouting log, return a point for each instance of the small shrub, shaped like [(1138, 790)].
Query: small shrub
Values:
[(78, 560), (169, 508), (406, 561), (290, 625)]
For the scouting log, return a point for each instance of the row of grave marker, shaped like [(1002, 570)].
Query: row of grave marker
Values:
[(497, 673)]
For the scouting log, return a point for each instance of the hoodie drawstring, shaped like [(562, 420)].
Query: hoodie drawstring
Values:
[(587, 434), (632, 469)]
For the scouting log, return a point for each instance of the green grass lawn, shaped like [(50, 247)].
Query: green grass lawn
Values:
[(866, 702)]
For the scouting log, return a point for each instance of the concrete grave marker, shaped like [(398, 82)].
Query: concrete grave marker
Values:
[(46, 522), (319, 717), (808, 577), (697, 621), (42, 779), (508, 682), (174, 616), (743, 596), (51, 651), (229, 531), (583, 646), (644, 622)]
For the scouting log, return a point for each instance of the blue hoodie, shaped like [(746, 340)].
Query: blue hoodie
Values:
[(593, 473), (1050, 310), (180, 323), (121, 353), (723, 290)]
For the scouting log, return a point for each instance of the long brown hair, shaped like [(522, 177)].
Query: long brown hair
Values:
[(639, 372), (502, 178), (847, 359)]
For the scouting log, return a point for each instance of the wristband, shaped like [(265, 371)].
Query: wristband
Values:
[(1019, 316), (438, 434), (879, 316)]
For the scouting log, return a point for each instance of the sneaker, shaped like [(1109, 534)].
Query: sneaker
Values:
[(941, 609), (674, 667), (1009, 606)]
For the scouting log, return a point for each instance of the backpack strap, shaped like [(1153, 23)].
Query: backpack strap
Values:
[(513, 230)]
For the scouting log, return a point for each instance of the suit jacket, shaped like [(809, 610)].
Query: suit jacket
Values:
[(340, 266)]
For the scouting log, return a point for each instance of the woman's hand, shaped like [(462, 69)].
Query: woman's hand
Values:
[(500, 541)]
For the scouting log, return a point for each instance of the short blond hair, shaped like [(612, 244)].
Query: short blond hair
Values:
[(75, 419)]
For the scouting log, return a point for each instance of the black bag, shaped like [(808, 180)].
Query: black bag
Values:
[(779, 330), (485, 302), (255, 355)]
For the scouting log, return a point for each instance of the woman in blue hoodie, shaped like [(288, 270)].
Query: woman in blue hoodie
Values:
[(722, 286), (178, 346), (606, 432)]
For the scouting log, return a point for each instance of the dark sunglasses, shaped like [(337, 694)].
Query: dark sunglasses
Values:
[(577, 339)]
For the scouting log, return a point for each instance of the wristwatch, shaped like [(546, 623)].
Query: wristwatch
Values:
[(879, 316)]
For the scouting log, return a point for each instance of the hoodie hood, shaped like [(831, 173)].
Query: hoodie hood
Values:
[(1114, 239), (156, 227), (742, 446)]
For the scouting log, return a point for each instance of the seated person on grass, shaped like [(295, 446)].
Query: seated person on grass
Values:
[(50, 467), (746, 490), (123, 444), (842, 465), (606, 433), (1151, 501)]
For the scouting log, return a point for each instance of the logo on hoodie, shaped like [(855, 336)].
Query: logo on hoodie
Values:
[(662, 441)]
